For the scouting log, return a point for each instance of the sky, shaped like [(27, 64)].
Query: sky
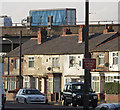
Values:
[(101, 10)]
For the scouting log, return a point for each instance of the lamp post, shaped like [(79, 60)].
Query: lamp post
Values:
[(87, 76), (10, 42), (20, 59)]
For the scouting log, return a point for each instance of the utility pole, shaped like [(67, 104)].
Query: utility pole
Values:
[(86, 77), (20, 55)]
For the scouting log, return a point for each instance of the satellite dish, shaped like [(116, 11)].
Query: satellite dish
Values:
[(72, 61), (49, 68)]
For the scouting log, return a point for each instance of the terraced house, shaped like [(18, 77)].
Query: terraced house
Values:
[(49, 63)]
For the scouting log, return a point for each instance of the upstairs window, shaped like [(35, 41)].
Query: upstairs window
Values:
[(101, 59), (31, 62), (72, 61), (115, 58), (55, 62), (16, 63)]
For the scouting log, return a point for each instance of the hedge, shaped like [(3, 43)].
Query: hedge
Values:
[(112, 88)]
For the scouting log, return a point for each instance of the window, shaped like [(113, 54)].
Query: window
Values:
[(26, 81), (109, 79), (96, 83), (55, 62), (68, 80), (50, 85), (72, 61), (115, 58), (16, 63), (11, 83), (33, 82), (31, 62), (95, 86), (101, 59)]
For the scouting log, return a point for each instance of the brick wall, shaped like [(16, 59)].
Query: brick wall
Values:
[(112, 98), (10, 96)]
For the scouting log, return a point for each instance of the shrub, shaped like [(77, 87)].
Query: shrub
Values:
[(112, 88)]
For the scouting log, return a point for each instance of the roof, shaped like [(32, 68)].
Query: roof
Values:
[(61, 45), (112, 45), (53, 9)]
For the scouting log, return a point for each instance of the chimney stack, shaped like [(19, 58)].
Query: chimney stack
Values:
[(67, 31), (64, 31), (42, 35), (108, 29), (39, 36), (81, 34)]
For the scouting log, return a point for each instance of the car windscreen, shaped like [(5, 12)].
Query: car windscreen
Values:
[(35, 92), (79, 88)]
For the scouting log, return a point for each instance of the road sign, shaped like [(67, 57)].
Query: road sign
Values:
[(89, 63)]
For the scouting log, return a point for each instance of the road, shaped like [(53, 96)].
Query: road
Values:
[(17, 106)]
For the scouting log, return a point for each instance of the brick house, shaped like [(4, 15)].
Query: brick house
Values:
[(107, 64), (49, 63)]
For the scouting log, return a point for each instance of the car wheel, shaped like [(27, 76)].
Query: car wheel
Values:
[(3, 107), (94, 105), (17, 100), (25, 101), (74, 104), (65, 102), (46, 102)]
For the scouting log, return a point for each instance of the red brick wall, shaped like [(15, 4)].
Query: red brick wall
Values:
[(112, 98)]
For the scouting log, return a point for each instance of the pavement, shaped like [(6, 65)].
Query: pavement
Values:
[(55, 103)]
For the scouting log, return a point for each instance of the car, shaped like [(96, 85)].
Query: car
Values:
[(108, 106), (73, 94), (30, 96), (3, 97)]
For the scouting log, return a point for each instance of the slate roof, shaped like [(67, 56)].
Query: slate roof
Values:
[(61, 45), (112, 45)]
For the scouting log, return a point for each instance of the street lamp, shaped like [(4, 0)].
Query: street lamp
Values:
[(10, 42), (87, 75)]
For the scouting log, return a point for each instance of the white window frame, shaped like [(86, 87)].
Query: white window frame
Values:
[(50, 84), (26, 81), (31, 60), (101, 57), (55, 62), (96, 83), (115, 58), (109, 78), (16, 64)]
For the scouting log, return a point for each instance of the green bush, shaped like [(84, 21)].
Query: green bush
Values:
[(112, 88)]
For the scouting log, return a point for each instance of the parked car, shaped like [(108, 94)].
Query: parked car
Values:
[(108, 106), (30, 96), (73, 94), (3, 97)]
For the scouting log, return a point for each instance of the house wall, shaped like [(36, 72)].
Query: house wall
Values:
[(76, 69), (43, 62), (12, 70), (105, 66), (37, 70)]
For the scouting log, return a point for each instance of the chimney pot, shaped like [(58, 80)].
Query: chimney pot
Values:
[(39, 36)]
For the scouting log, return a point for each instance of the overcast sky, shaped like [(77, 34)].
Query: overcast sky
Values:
[(102, 10)]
